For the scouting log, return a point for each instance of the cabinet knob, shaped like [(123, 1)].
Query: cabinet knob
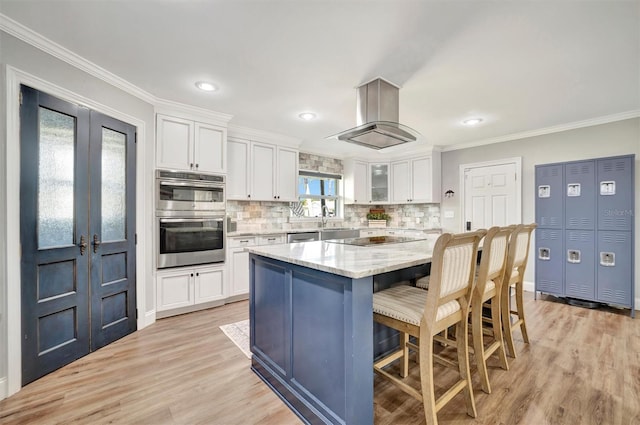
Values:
[(191, 165), (197, 165), (248, 196), (191, 274), (197, 274), (278, 196), (275, 197)]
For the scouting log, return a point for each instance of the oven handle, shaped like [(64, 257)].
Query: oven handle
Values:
[(185, 220), (188, 184)]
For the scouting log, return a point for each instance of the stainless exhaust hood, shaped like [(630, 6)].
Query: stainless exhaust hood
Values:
[(377, 118)]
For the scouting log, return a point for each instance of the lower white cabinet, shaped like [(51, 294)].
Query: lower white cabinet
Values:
[(185, 287), (238, 260)]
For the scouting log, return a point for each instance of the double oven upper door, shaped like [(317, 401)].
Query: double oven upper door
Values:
[(189, 195)]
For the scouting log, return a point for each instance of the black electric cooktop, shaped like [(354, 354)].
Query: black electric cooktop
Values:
[(375, 240)]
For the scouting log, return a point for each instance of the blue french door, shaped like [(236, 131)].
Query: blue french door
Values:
[(77, 230)]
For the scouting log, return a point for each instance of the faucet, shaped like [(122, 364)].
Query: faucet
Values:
[(325, 216)]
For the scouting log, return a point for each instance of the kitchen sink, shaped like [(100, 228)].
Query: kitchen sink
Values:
[(326, 234)]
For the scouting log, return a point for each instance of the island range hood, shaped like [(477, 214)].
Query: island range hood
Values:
[(377, 118)]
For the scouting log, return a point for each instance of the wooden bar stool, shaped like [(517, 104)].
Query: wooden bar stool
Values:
[(422, 314), (488, 288), (514, 278)]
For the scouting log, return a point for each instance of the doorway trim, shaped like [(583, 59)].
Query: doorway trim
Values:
[(12, 307), (517, 161)]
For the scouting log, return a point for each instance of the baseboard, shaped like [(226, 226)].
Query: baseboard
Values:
[(3, 388), (528, 286), (149, 318)]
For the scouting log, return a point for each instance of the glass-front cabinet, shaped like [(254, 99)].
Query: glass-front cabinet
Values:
[(379, 179)]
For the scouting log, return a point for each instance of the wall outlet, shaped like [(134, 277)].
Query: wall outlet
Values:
[(449, 214)]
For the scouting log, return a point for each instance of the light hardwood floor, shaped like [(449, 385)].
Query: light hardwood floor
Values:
[(582, 367)]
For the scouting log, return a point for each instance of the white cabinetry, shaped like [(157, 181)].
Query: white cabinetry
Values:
[(261, 171), (238, 261), (186, 287), (188, 145), (415, 180), (356, 184)]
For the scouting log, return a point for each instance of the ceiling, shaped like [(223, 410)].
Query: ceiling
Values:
[(522, 66)]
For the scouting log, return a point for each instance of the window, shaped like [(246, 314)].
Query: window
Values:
[(316, 191)]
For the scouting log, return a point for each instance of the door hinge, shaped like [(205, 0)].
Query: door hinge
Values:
[(136, 314), (135, 137)]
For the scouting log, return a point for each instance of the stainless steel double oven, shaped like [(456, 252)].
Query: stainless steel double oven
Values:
[(190, 215)]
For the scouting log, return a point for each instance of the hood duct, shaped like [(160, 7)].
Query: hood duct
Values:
[(377, 118)]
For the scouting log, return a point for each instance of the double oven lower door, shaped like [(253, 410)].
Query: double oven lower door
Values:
[(192, 240)]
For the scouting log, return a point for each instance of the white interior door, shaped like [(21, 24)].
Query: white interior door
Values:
[(491, 195)]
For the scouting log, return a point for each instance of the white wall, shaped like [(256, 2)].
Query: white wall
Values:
[(44, 70), (616, 138)]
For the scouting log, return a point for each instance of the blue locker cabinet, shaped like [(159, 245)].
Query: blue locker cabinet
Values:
[(585, 235)]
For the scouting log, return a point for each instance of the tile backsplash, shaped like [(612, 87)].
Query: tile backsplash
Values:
[(260, 216)]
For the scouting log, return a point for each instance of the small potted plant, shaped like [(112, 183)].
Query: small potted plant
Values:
[(378, 219)]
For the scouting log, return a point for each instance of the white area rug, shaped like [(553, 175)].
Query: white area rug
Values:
[(238, 333)]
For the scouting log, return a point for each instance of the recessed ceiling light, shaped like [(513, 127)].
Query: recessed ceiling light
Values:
[(307, 116), (472, 121), (206, 86)]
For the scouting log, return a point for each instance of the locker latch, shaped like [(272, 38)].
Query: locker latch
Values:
[(573, 256), (544, 253), (608, 259)]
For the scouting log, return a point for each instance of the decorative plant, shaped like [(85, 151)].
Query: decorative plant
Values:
[(378, 216)]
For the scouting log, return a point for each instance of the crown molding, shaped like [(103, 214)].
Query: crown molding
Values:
[(241, 132), (190, 112), (547, 130)]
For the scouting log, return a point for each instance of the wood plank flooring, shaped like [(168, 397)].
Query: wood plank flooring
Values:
[(582, 367)]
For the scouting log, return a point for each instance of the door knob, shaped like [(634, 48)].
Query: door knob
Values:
[(96, 243), (82, 244)]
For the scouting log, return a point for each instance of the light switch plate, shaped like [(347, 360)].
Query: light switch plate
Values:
[(449, 214)]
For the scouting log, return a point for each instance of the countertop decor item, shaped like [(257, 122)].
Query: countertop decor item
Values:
[(378, 219)]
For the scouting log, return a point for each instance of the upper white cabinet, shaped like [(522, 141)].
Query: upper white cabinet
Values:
[(188, 145), (261, 171), (415, 181), (356, 182), (402, 181)]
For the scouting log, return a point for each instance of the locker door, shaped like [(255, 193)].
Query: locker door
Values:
[(614, 187), (579, 195), (579, 266), (614, 268), (549, 196), (549, 261)]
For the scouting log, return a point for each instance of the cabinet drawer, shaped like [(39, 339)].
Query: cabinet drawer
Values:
[(271, 239), (242, 241)]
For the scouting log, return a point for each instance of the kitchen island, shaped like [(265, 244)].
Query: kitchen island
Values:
[(312, 332)]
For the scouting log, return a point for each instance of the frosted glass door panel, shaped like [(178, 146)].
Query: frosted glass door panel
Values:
[(55, 179), (114, 154)]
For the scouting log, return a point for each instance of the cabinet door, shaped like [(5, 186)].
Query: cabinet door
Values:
[(174, 143), (579, 266), (580, 195), (239, 282), (549, 259), (379, 179), (210, 148), (401, 182), (422, 180), (263, 172), (615, 267), (175, 289), (238, 171), (549, 193), (287, 184), (614, 188), (360, 183), (209, 284)]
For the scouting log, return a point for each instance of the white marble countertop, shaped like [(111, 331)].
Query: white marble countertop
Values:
[(349, 260), (318, 229)]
